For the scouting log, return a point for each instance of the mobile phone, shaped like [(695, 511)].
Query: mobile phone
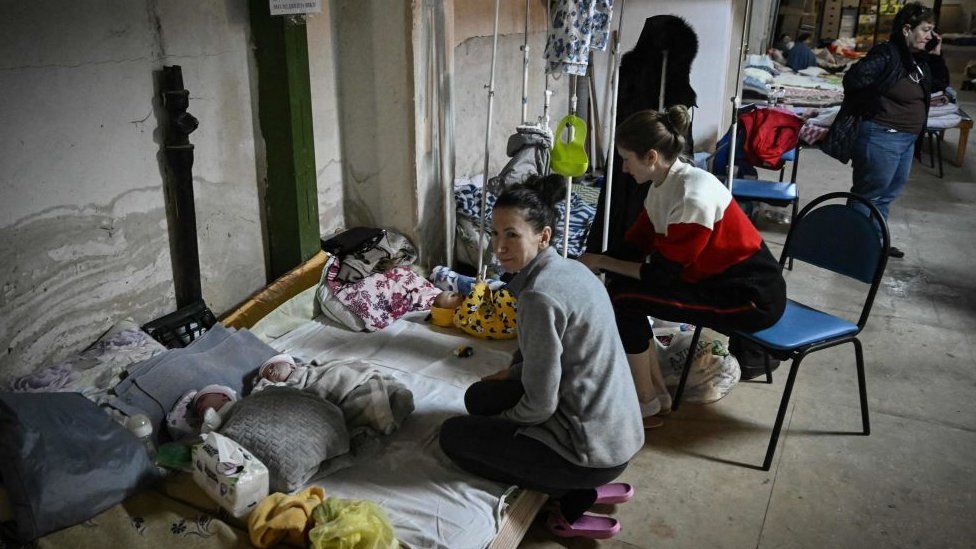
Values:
[(932, 43)]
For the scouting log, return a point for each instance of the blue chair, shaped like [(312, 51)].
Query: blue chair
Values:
[(775, 193), (840, 239)]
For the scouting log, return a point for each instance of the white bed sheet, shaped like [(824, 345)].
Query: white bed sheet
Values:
[(430, 501)]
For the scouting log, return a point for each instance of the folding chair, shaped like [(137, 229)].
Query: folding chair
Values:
[(840, 239)]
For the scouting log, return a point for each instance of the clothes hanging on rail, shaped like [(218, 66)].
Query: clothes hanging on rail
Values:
[(577, 27), (640, 89)]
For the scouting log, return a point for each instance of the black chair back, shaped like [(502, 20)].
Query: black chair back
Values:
[(840, 239)]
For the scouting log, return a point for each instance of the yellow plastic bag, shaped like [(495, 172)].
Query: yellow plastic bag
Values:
[(487, 314), (351, 524)]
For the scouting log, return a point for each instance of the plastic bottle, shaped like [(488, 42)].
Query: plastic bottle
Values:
[(141, 426)]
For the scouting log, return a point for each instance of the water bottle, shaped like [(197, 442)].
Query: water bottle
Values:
[(141, 426)]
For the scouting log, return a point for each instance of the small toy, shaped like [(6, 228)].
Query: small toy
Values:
[(464, 351)]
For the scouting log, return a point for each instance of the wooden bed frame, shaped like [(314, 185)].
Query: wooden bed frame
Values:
[(523, 507)]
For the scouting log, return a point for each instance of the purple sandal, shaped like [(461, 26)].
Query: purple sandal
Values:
[(614, 492), (587, 526)]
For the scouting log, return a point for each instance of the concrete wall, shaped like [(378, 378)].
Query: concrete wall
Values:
[(83, 226), (325, 119), (473, 26)]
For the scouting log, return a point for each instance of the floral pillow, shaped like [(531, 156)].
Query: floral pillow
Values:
[(96, 369)]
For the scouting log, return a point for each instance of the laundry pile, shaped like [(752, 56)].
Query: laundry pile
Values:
[(942, 113)]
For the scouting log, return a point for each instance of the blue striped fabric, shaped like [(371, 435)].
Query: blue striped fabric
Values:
[(468, 199)]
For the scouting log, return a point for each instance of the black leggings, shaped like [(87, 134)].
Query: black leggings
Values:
[(490, 447), (749, 296)]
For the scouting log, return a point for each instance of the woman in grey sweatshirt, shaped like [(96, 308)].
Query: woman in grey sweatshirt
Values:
[(564, 420)]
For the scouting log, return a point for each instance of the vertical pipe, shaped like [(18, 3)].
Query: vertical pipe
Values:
[(525, 68), (736, 101), (661, 107), (614, 86), (548, 93), (569, 180), (491, 99)]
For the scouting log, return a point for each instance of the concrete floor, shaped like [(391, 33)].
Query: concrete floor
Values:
[(912, 483)]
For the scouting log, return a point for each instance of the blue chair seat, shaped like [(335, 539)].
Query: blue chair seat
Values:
[(800, 326), (766, 191), (789, 156)]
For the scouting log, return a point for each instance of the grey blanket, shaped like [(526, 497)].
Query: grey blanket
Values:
[(220, 356)]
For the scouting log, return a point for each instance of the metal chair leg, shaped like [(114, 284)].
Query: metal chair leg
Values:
[(781, 413), (796, 165), (769, 372), (931, 150), (684, 373), (862, 387), (938, 151)]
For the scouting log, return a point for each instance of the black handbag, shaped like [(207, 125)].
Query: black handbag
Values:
[(840, 140), (354, 240)]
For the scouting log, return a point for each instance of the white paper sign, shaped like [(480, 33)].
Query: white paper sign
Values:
[(289, 7)]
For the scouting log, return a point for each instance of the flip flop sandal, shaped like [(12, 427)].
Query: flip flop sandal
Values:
[(614, 492), (587, 526)]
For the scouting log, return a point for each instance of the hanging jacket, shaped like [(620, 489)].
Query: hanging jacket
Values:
[(528, 149), (768, 134), (640, 88)]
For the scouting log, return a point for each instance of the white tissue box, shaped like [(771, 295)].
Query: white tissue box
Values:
[(229, 474)]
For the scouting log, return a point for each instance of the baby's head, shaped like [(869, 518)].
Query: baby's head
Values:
[(448, 300), (277, 368), (212, 396), (442, 310)]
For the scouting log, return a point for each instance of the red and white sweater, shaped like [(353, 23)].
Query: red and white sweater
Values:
[(691, 221)]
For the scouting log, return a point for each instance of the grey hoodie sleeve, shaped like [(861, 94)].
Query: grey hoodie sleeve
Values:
[(540, 327)]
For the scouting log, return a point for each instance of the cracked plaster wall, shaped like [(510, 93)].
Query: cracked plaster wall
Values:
[(83, 227), (325, 120), (473, 27)]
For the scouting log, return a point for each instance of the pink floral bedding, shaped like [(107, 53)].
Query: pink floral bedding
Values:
[(381, 298)]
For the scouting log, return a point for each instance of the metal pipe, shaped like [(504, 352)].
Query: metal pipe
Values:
[(661, 107), (548, 93), (614, 86), (525, 68), (491, 100), (569, 180), (736, 100)]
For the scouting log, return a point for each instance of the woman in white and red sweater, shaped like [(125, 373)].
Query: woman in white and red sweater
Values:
[(692, 255)]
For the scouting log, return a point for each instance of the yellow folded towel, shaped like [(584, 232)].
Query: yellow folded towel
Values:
[(281, 518)]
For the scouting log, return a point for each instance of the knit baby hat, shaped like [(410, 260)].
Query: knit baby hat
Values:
[(215, 389), (277, 359)]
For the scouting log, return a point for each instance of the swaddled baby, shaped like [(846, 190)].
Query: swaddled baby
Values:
[(368, 398), (200, 411)]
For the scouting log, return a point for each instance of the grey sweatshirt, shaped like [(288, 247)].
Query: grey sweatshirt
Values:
[(579, 397)]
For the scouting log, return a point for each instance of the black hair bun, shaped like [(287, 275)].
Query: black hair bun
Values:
[(551, 189)]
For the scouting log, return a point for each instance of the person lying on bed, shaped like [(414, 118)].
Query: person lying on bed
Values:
[(483, 313), (565, 420)]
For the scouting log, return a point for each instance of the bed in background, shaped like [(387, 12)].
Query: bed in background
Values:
[(431, 503)]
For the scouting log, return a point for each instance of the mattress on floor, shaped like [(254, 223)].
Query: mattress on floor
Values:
[(430, 501)]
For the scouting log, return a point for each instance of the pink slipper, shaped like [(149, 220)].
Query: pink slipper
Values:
[(614, 492), (587, 526)]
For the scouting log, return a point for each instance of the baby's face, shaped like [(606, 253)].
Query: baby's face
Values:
[(448, 300), (278, 371), (210, 400)]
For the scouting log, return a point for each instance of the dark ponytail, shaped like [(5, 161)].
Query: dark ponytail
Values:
[(536, 198)]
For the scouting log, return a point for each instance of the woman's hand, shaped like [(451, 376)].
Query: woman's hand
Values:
[(937, 50), (500, 375), (593, 262)]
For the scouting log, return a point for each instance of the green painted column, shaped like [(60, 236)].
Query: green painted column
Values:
[(285, 114)]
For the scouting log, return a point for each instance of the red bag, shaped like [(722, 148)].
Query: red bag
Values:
[(769, 134)]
